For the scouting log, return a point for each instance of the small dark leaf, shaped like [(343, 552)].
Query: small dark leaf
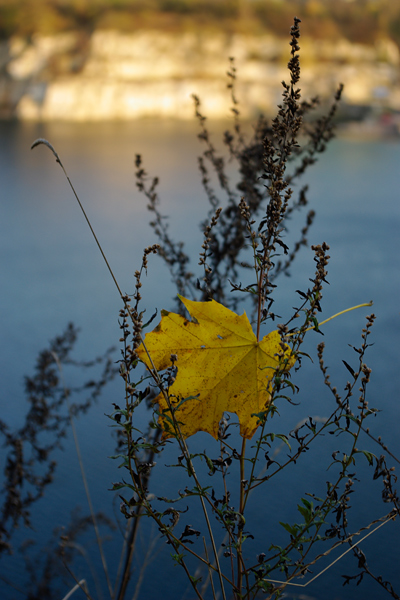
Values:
[(349, 368), (302, 294)]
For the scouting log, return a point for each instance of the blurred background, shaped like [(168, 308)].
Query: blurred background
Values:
[(103, 80), (121, 59)]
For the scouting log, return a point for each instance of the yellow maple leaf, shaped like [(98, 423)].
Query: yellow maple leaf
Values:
[(220, 360)]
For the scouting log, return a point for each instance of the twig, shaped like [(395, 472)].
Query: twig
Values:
[(389, 517)]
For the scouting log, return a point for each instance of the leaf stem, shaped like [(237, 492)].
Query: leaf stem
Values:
[(342, 312), (240, 525)]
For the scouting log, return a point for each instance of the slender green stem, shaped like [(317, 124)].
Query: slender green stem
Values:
[(185, 449), (325, 506), (240, 525), (230, 539), (342, 312), (209, 570), (384, 520), (83, 475)]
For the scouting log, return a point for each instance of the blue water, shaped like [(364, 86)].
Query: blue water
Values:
[(51, 273)]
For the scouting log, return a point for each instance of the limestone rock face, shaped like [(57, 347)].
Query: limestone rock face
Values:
[(114, 75)]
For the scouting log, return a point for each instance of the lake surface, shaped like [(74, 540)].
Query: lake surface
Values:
[(51, 273)]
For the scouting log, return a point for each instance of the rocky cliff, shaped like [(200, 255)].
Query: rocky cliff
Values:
[(112, 75)]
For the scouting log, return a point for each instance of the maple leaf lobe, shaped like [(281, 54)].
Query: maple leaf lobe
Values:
[(220, 360)]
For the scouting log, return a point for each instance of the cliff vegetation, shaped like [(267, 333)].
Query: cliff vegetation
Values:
[(358, 21)]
